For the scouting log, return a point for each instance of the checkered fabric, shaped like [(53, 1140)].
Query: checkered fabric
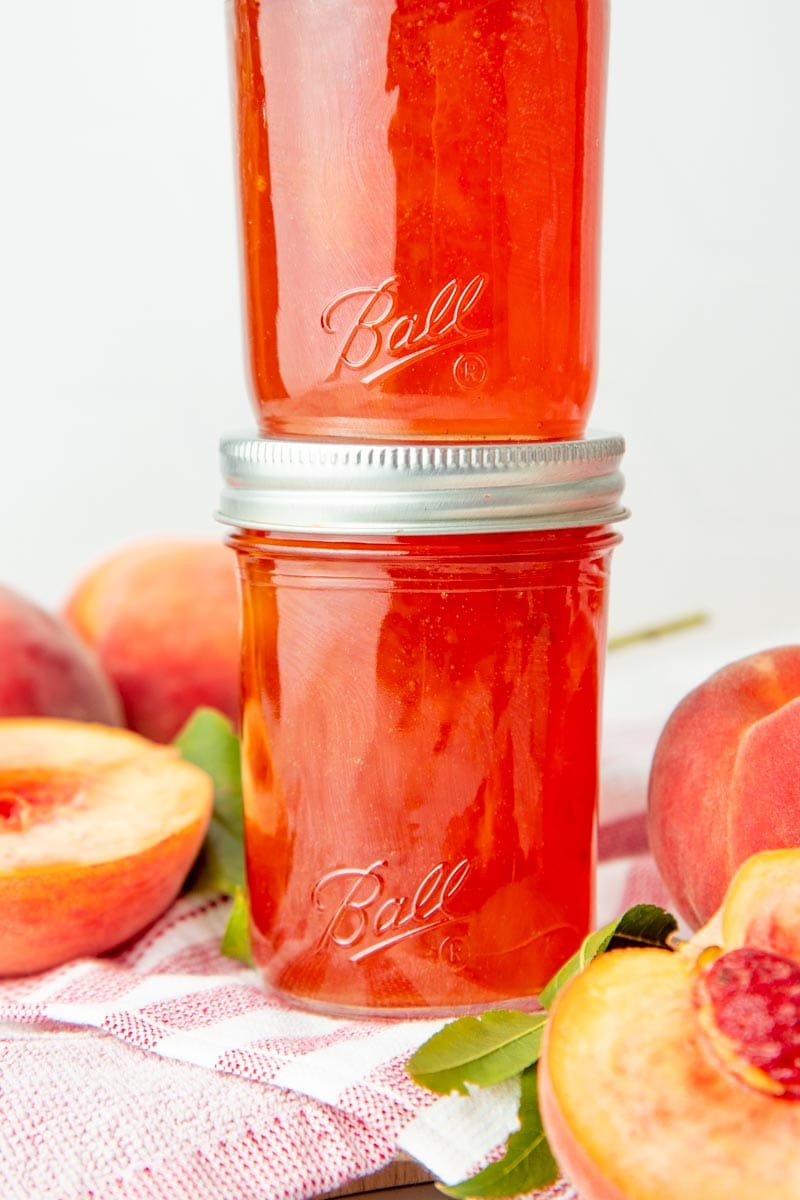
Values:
[(165, 1072)]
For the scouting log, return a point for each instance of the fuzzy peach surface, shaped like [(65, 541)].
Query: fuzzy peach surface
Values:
[(725, 778), (163, 618), (47, 671)]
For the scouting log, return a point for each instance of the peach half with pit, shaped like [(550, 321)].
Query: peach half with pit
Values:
[(677, 1074), (98, 830)]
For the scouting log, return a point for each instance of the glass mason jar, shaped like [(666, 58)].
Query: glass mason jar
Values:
[(423, 647), (420, 189)]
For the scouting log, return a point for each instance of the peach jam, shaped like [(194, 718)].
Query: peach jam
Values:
[(422, 656), (419, 186)]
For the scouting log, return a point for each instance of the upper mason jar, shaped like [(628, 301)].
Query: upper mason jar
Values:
[(419, 185)]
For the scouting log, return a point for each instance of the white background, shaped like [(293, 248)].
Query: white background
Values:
[(120, 344)]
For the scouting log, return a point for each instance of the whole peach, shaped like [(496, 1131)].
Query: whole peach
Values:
[(46, 671), (163, 618), (725, 779)]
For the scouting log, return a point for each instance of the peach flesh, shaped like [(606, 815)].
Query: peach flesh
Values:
[(725, 780), (30, 796), (98, 830), (163, 618), (762, 906), (635, 1107)]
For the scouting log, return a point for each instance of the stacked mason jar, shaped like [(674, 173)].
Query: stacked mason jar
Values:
[(422, 525)]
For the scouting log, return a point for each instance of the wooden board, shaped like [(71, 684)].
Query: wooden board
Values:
[(403, 1174)]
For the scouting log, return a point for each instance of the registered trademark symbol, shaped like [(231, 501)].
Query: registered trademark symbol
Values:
[(470, 371), (452, 952)]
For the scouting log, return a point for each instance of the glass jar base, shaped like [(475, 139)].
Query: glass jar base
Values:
[(413, 427), (325, 1008)]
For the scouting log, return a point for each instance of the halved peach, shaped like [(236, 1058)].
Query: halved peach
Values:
[(98, 830), (677, 1075), (637, 1107)]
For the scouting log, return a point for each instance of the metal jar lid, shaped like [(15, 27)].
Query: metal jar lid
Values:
[(378, 489)]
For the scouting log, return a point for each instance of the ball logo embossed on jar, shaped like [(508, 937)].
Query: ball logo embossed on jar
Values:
[(372, 331), (365, 919)]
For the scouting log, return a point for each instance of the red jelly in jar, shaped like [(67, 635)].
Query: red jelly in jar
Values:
[(423, 646), (420, 187)]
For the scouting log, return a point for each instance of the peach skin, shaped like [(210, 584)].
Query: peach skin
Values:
[(163, 617), (725, 779), (46, 670)]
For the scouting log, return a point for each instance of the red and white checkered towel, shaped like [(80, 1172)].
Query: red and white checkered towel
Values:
[(165, 1072)]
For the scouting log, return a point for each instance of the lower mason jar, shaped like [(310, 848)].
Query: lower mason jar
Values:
[(421, 676)]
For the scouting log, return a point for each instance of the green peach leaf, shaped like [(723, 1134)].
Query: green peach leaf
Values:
[(528, 1162), (236, 939), (642, 925), (209, 741), (479, 1050)]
